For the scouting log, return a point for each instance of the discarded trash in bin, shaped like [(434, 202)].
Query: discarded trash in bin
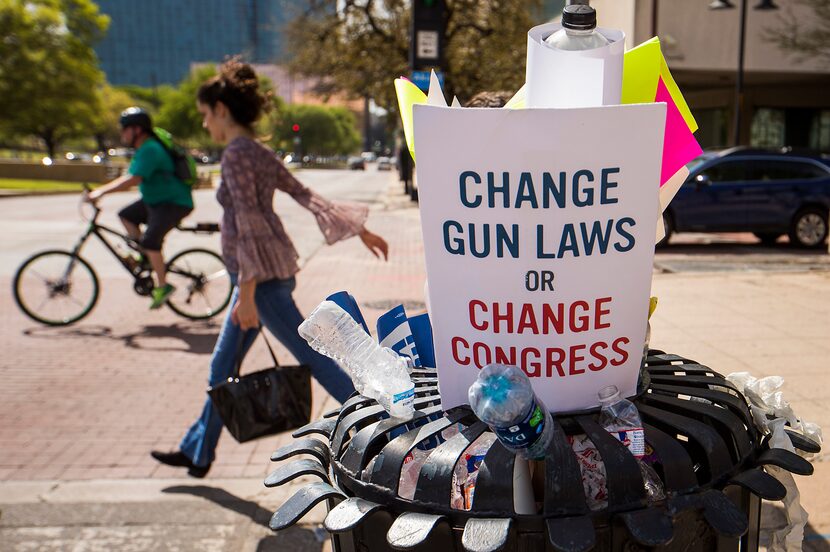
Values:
[(503, 398), (711, 463), (376, 372)]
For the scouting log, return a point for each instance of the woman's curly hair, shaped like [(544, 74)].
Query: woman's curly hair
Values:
[(236, 86)]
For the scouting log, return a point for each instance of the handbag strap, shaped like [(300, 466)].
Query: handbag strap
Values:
[(240, 353)]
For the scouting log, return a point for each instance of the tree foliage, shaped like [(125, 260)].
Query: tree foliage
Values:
[(362, 47), (178, 113), (49, 74), (149, 98), (107, 128), (804, 37), (323, 130)]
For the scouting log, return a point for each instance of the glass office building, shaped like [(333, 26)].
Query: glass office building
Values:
[(152, 42)]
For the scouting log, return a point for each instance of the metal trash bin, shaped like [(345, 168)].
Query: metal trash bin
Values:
[(711, 465)]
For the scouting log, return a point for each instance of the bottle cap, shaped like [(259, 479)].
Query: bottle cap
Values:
[(608, 394), (579, 17)]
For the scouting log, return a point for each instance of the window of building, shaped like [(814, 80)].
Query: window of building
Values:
[(713, 125), (820, 131), (768, 128)]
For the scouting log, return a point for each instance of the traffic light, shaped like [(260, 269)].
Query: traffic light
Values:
[(295, 128), (429, 24)]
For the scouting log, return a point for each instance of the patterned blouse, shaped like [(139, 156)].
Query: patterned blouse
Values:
[(254, 242)]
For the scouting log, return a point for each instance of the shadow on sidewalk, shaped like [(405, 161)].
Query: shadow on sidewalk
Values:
[(195, 338), (295, 538)]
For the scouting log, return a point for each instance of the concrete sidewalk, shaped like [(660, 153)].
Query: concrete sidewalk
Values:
[(82, 406)]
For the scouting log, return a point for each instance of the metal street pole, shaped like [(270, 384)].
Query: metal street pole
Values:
[(739, 83), (765, 5)]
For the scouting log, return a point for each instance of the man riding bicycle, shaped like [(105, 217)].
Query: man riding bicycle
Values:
[(165, 199)]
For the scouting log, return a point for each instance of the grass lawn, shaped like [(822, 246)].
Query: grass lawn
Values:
[(25, 185)]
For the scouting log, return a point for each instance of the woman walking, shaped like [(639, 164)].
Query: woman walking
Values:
[(258, 252)]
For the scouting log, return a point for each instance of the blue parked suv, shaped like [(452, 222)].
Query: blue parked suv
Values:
[(764, 192)]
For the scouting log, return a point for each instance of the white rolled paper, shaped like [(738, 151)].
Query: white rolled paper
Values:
[(583, 78)]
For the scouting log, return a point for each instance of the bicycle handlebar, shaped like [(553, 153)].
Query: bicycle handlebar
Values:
[(96, 210)]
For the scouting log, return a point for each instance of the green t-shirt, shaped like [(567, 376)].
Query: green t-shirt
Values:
[(158, 182)]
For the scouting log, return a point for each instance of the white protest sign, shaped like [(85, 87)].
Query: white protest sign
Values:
[(538, 230)]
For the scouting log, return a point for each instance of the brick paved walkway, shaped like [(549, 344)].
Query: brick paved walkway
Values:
[(91, 400)]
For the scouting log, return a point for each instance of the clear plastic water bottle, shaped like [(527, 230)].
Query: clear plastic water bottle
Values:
[(579, 30), (465, 474), (503, 398), (377, 372), (621, 419)]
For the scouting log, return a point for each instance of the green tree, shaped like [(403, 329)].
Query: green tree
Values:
[(107, 128), (804, 37), (362, 47), (178, 113), (148, 98), (49, 76), (323, 130)]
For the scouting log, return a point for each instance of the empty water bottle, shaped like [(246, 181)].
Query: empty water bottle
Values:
[(377, 372), (620, 418), (503, 398), (465, 474), (578, 30)]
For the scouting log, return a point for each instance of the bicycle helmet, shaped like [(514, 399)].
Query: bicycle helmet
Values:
[(135, 116)]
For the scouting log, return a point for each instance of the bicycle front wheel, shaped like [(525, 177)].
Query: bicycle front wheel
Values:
[(56, 288), (203, 285)]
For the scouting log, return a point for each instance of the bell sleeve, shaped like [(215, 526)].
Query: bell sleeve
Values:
[(338, 220)]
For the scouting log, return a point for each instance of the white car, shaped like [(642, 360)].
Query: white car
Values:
[(384, 164)]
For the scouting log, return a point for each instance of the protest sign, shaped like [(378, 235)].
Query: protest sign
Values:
[(538, 229)]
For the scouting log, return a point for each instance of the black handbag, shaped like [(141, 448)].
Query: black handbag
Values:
[(265, 402)]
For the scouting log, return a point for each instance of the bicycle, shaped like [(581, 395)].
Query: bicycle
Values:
[(64, 283)]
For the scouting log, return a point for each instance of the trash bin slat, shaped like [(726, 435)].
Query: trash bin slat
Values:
[(485, 534), (411, 529), (494, 482), (435, 479), (729, 426), (387, 469), (760, 483), (300, 503), (650, 526), (694, 381), (678, 469), (785, 459), (571, 534), (715, 454), (349, 514), (295, 469), (359, 417), (735, 404), (308, 445), (365, 442), (564, 493), (323, 426)]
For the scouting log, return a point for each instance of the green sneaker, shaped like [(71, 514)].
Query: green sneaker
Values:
[(160, 296)]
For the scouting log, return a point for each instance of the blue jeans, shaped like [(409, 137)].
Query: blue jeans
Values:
[(278, 313)]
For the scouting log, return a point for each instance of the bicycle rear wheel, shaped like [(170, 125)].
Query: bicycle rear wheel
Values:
[(55, 287), (203, 285)]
